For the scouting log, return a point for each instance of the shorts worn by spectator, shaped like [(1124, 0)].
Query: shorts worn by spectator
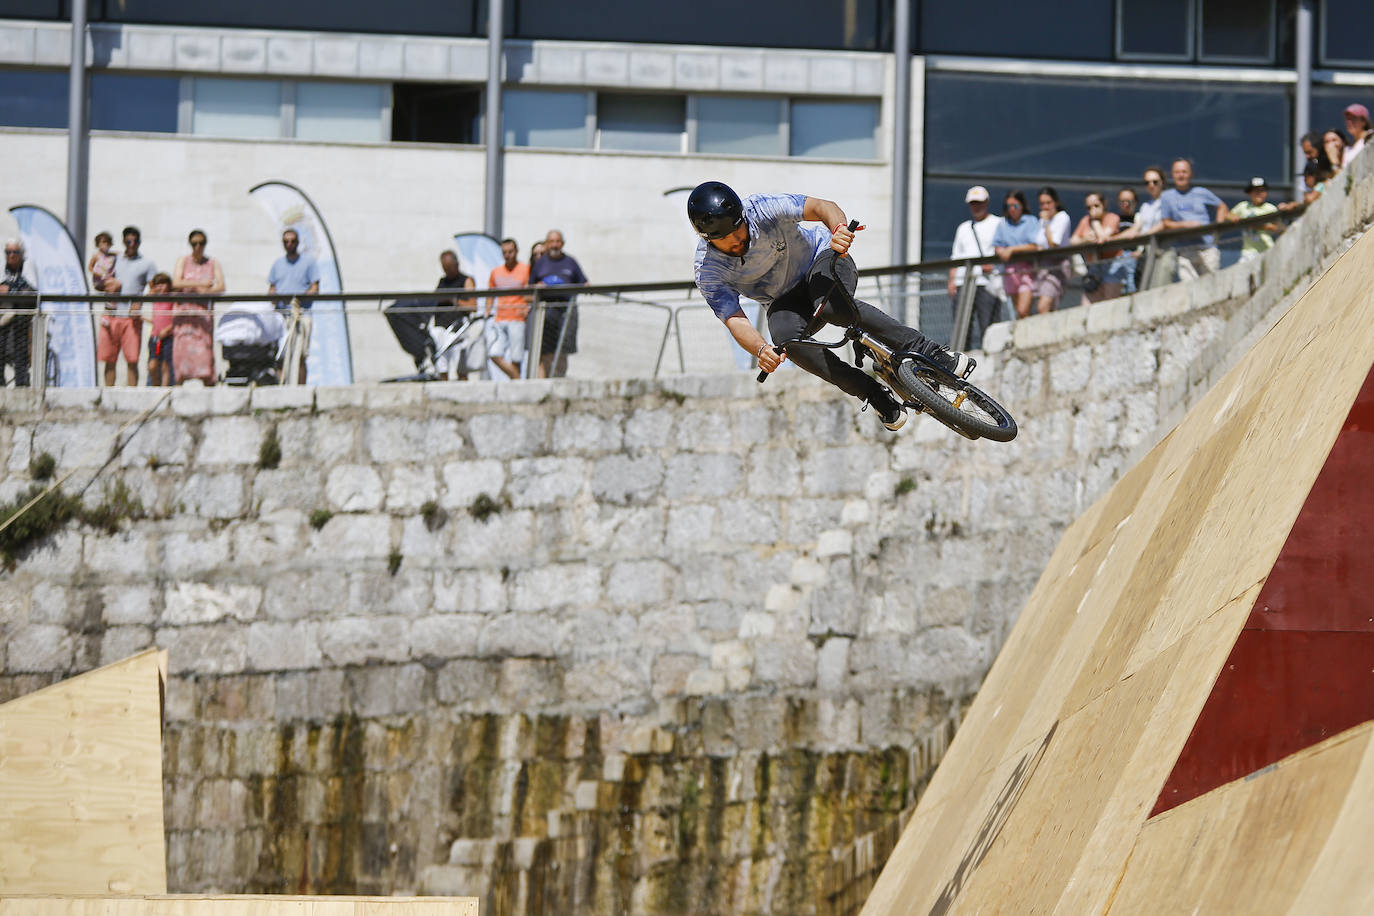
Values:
[(1184, 206), (410, 320), (296, 275), (757, 248), (1019, 234), (973, 239), (14, 328), (1358, 126), (1256, 242), (556, 268), (506, 331), (120, 329)]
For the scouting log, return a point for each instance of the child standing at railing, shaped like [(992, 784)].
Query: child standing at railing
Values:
[(160, 337)]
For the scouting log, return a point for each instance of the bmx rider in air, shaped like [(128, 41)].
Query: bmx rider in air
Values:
[(757, 247)]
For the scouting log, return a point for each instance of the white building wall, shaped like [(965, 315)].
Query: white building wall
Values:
[(392, 208)]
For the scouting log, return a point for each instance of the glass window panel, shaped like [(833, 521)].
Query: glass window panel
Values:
[(33, 98), (124, 102), (422, 17), (1347, 26), (653, 123), (834, 130), (436, 113), (1237, 30), (853, 24), (1046, 128), (1155, 28), (553, 120), (236, 108), (33, 9), (344, 112), (1076, 29), (739, 126)]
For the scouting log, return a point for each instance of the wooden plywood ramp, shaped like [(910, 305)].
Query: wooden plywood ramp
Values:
[(1086, 777), (81, 783)]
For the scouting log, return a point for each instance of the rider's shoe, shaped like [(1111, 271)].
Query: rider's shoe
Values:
[(891, 413), (958, 364)]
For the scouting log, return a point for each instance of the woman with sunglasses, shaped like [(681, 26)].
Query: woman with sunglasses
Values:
[(193, 346), (1019, 234), (1104, 279), (1148, 220)]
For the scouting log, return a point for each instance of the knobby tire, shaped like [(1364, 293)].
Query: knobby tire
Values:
[(930, 394)]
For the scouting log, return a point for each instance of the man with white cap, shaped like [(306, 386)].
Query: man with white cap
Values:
[(1357, 125), (973, 239)]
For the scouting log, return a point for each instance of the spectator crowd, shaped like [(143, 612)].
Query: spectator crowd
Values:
[(445, 337), (452, 337), (1019, 286)]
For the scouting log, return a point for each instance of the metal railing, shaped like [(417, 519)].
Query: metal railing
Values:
[(623, 330)]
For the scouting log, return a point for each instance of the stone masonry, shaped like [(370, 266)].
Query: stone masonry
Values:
[(663, 646)]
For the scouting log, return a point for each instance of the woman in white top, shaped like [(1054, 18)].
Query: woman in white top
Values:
[(1052, 273)]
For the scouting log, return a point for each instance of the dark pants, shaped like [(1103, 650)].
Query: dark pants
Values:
[(410, 323), (985, 307), (14, 351), (789, 314)]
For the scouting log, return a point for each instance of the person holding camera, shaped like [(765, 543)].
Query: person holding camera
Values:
[(1098, 225)]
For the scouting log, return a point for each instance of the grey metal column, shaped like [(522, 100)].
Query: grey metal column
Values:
[(1302, 93), (495, 28), (901, 145), (78, 132)]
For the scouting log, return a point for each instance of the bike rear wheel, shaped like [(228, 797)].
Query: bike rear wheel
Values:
[(956, 403)]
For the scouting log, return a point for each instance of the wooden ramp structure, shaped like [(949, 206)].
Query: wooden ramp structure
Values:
[(81, 823), (1180, 721), (81, 783)]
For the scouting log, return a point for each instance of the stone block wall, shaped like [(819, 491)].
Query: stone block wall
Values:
[(613, 646)]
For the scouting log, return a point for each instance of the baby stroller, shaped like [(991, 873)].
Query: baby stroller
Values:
[(436, 347), (252, 338)]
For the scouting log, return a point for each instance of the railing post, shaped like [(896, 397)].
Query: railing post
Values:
[(963, 312), (38, 348), (536, 337), (1147, 273)]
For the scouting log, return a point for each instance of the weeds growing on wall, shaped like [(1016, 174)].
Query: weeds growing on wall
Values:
[(23, 529)]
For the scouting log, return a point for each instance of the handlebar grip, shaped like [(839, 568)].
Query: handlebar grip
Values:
[(764, 373), (853, 225)]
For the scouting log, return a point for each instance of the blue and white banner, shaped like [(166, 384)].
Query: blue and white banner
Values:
[(478, 255), (57, 269), (330, 361)]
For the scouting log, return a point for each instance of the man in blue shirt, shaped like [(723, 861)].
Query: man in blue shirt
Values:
[(1184, 206), (295, 274), (756, 248)]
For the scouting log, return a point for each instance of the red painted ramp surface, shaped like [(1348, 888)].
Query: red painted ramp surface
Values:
[(1302, 670)]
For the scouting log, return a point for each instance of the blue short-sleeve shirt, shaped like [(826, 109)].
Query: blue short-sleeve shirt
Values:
[(1025, 231), (1189, 205), (293, 277), (780, 253)]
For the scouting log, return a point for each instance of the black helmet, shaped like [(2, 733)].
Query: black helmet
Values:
[(715, 210)]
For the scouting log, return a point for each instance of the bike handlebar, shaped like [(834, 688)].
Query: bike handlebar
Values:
[(781, 349)]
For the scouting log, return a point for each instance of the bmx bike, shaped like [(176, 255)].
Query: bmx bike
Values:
[(918, 382)]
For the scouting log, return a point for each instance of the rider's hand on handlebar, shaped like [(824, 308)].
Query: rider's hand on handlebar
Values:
[(770, 358), (841, 238)]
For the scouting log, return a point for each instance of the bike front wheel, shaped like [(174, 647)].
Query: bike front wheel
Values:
[(956, 403)]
